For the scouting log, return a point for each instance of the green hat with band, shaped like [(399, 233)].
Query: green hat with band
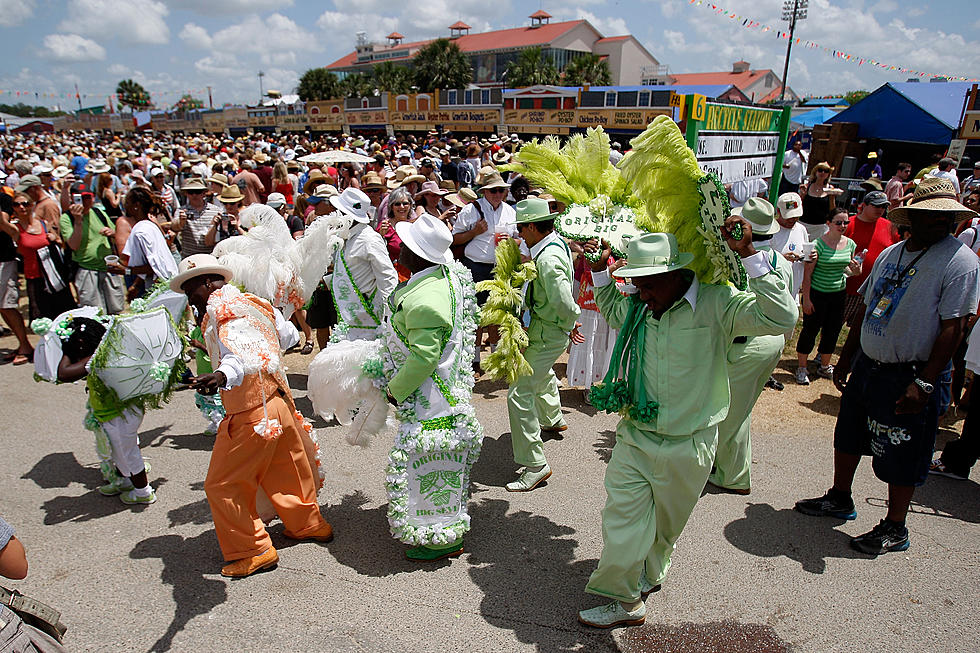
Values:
[(533, 210), (653, 253)]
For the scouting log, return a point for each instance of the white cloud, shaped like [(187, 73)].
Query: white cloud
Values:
[(131, 21), (274, 33), (71, 48), (15, 12), (230, 7), (195, 36), (607, 26), (337, 25)]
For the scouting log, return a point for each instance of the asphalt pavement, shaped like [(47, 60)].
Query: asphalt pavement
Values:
[(749, 574)]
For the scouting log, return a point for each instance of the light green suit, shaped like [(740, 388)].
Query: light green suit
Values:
[(749, 366), (533, 401), (422, 312), (658, 469)]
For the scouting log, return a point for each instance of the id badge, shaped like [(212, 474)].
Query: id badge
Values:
[(882, 307)]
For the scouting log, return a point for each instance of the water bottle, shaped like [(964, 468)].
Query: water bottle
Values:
[(860, 257)]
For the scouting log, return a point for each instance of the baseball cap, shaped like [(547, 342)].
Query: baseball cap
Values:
[(876, 198), (276, 200), (790, 205), (27, 181)]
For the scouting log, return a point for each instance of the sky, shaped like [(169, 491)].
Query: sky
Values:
[(177, 46)]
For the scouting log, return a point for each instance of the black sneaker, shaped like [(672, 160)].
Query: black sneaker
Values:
[(886, 536), (829, 505), (774, 384)]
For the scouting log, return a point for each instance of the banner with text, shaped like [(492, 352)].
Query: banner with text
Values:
[(734, 157)]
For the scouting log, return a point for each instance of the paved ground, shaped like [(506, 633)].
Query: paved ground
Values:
[(750, 574)]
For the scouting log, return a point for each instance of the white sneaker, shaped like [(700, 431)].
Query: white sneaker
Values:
[(801, 376), (826, 371), (612, 614), (529, 480)]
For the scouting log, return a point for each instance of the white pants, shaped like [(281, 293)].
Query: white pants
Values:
[(123, 434), (588, 362)]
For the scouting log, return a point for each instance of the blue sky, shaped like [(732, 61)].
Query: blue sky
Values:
[(175, 46)]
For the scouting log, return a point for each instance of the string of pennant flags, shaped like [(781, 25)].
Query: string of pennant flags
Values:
[(750, 23), (6, 94)]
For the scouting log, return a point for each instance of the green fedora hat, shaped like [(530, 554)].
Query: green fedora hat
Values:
[(651, 254), (533, 210), (760, 214)]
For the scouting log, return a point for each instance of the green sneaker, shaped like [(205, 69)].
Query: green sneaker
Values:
[(130, 498), (121, 484), (430, 554)]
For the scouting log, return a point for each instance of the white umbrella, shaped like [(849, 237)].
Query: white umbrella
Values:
[(335, 156), (47, 352), (138, 353)]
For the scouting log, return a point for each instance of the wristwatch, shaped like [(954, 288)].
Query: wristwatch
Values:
[(925, 387)]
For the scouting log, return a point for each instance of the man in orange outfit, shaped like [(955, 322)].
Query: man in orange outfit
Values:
[(259, 442)]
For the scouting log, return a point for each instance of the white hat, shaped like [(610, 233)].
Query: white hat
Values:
[(353, 202), (97, 167), (403, 153), (276, 200), (60, 172), (790, 206), (155, 171), (197, 265), (42, 169), (429, 237)]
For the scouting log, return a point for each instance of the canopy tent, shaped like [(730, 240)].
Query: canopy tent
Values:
[(916, 112), (811, 118)]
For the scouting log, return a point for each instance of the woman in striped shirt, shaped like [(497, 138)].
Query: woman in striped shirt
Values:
[(823, 295)]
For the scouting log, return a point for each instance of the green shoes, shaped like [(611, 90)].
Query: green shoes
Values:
[(612, 614), (130, 498), (431, 553), (529, 480), (121, 484)]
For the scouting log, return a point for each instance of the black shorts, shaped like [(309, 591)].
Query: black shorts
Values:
[(901, 446), (480, 272)]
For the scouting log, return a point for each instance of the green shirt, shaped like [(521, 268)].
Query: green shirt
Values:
[(828, 271), (100, 410), (552, 300), (94, 247), (422, 313), (202, 358), (685, 351)]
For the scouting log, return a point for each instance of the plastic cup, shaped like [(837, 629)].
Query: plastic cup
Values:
[(807, 249), (111, 259), (499, 236)]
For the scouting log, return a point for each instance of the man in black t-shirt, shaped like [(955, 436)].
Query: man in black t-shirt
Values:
[(9, 283)]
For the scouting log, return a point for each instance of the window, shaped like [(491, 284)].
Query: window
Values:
[(525, 103), (422, 102), (549, 103), (364, 103), (401, 103), (485, 97), (593, 98), (644, 100), (611, 99), (626, 99), (467, 97), (451, 97)]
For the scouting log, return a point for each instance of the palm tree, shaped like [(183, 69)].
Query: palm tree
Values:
[(441, 64), (356, 85), (394, 79), (587, 69), (132, 94), (531, 68), (318, 84)]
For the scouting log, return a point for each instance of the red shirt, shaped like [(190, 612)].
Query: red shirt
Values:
[(27, 245), (872, 236)]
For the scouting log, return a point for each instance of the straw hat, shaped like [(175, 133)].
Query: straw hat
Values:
[(448, 185), (651, 254), (429, 237), (322, 192), (494, 181), (456, 200), (501, 157), (230, 195), (197, 265), (316, 177), (759, 213), (372, 180), (932, 194), (467, 195), (402, 173), (218, 178), (194, 183), (260, 157)]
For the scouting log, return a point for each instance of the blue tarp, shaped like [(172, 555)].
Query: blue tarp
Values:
[(909, 111), (815, 117)]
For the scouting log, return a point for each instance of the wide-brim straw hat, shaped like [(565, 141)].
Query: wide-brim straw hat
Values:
[(315, 178), (654, 253), (198, 265), (494, 181), (371, 181), (230, 194), (194, 183), (218, 178), (932, 194), (427, 236)]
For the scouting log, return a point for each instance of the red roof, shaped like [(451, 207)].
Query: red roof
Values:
[(504, 39), (459, 25), (613, 38), (741, 80), (395, 35), (540, 13)]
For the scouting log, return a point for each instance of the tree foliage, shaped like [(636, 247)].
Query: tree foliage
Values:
[(318, 84), (853, 97), (530, 69), (22, 110), (394, 79), (356, 85), (132, 94), (587, 69), (441, 64)]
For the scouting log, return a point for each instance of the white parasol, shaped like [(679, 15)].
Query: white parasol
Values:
[(47, 352), (335, 156), (138, 354)]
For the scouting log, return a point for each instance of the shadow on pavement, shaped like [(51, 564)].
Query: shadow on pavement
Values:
[(197, 512), (489, 389), (943, 497), (59, 470), (188, 441), (495, 467), (604, 445), (540, 609), (90, 505), (825, 404), (305, 406), (297, 381), (185, 561), (769, 533)]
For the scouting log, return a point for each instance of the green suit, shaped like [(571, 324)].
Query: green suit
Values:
[(749, 365), (658, 469), (533, 401)]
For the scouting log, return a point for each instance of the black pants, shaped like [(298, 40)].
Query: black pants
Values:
[(827, 319), (962, 454)]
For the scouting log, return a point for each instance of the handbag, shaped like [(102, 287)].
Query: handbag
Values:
[(54, 269)]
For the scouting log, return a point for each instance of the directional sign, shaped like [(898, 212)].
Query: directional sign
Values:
[(734, 157)]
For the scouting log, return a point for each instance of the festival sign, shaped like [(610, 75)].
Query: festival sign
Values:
[(366, 117), (467, 119), (236, 118), (601, 219), (637, 119), (971, 125), (293, 122), (542, 117)]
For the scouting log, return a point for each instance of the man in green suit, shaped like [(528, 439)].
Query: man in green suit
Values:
[(533, 404), (751, 361), (674, 336)]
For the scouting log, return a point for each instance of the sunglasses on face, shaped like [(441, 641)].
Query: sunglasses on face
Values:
[(401, 204), (823, 172), (372, 191), (842, 224), (496, 191), (194, 192), (22, 203)]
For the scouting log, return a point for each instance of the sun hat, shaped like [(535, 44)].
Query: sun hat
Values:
[(218, 178), (276, 200), (315, 178), (27, 181), (932, 194), (651, 254), (790, 205), (456, 200), (352, 202), (494, 181), (501, 157), (823, 165), (156, 171), (322, 192), (194, 183), (371, 181), (230, 195), (871, 183), (467, 195), (197, 265), (430, 187), (403, 154), (42, 169), (60, 172), (876, 198), (427, 236), (533, 210), (448, 185), (98, 167), (759, 214), (260, 157)]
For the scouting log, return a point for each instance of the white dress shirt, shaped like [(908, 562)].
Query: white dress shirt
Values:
[(232, 366), (481, 248), (367, 258)]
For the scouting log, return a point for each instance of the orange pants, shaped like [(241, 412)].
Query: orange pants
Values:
[(241, 462)]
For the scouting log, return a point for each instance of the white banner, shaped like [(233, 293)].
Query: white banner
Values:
[(734, 157)]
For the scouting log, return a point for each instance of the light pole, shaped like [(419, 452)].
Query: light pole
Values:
[(261, 95), (793, 10)]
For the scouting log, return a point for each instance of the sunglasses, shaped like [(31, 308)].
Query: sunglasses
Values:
[(22, 203), (400, 204), (194, 192), (496, 191), (842, 224), (823, 172), (372, 191)]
